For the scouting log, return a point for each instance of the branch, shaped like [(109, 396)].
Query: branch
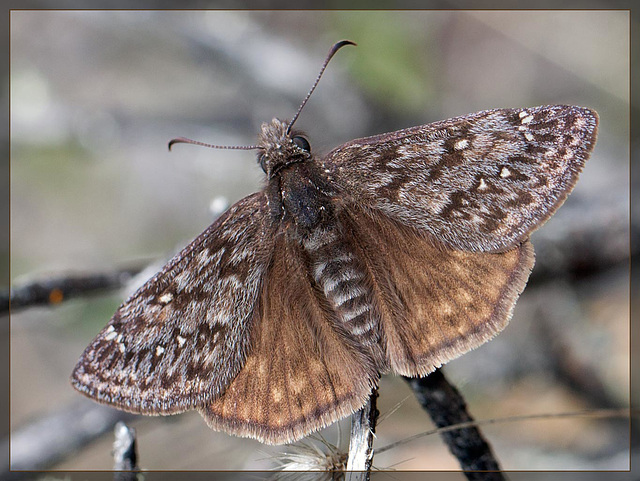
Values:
[(60, 288), (585, 237), (446, 406), (572, 370), (363, 427), (49, 440)]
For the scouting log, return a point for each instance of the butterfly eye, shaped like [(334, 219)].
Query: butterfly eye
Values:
[(302, 143)]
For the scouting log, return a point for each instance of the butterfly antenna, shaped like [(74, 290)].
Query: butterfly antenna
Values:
[(183, 140), (332, 52)]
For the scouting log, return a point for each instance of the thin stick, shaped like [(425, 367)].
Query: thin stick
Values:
[(363, 426), (587, 413)]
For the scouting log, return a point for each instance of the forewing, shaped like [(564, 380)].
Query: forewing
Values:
[(302, 373), (181, 338), (435, 303), (481, 182)]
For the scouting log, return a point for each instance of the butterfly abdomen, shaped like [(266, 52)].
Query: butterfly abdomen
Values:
[(344, 282)]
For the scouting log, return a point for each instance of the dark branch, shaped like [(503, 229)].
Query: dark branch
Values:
[(446, 406), (60, 288)]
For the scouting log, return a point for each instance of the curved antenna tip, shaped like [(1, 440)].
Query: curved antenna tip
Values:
[(179, 140), (341, 44), (332, 52)]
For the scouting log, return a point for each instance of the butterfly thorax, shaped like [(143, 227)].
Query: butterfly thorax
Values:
[(298, 194)]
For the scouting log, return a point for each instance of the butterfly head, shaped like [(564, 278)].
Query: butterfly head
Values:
[(279, 147)]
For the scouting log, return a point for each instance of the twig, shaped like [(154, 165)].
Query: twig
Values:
[(125, 456), (446, 406), (587, 236), (51, 439), (624, 413), (60, 288), (567, 366), (575, 373), (363, 427)]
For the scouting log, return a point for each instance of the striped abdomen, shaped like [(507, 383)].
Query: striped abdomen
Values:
[(344, 281)]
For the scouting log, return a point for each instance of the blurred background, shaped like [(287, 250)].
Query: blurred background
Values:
[(96, 96)]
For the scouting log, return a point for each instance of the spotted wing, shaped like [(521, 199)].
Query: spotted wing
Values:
[(184, 335), (303, 372), (433, 303), (481, 182)]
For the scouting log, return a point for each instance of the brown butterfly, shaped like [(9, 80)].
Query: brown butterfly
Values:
[(392, 254)]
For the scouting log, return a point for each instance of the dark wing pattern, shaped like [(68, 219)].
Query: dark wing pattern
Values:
[(434, 303), (479, 183), (302, 374), (184, 335)]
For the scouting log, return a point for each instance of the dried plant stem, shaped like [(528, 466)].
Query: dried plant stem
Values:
[(46, 441), (125, 456), (446, 406), (54, 290), (363, 426)]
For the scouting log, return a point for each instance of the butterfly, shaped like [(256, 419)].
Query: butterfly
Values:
[(394, 253)]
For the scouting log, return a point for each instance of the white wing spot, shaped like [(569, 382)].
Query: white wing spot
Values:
[(121, 347), (483, 185), (504, 172), (523, 114), (111, 334), (166, 298), (181, 340), (461, 144), (159, 350), (527, 119), (528, 136)]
